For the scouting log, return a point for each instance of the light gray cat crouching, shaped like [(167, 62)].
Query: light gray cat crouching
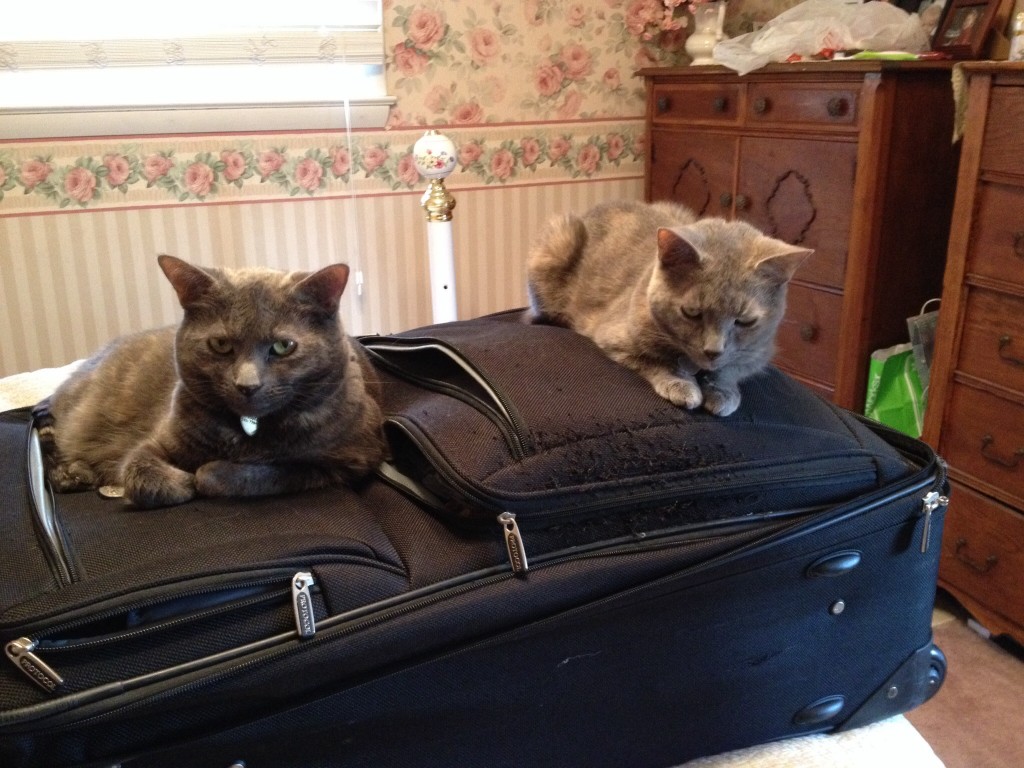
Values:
[(692, 305), (258, 391)]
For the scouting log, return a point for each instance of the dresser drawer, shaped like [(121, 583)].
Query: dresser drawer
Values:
[(808, 336), (801, 191), (992, 345), (997, 237), (1002, 148), (791, 103), (702, 103), (983, 437), (983, 551)]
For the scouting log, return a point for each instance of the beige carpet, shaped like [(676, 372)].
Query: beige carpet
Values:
[(976, 720)]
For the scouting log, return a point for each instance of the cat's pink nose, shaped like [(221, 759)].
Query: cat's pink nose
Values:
[(247, 389)]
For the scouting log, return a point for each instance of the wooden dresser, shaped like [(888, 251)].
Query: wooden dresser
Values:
[(975, 415), (853, 159)]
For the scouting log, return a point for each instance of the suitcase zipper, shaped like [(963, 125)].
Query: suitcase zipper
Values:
[(516, 546), (24, 651), (516, 433), (355, 621), (932, 501), (514, 543), (908, 446), (302, 604), (44, 517), (452, 479), (361, 619), (935, 498)]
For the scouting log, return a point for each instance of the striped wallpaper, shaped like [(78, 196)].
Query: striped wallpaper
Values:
[(71, 280)]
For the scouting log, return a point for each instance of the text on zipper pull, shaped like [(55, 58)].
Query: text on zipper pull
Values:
[(21, 652), (514, 543), (302, 603)]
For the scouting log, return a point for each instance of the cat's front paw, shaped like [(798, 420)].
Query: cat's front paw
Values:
[(218, 478), (149, 485), (226, 478), (721, 401), (74, 476), (681, 392)]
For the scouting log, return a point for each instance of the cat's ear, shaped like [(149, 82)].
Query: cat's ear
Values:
[(778, 261), (190, 283), (675, 251), (325, 287)]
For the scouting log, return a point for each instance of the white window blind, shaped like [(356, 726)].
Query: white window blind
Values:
[(191, 65)]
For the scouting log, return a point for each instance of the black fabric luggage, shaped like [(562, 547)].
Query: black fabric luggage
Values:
[(555, 568)]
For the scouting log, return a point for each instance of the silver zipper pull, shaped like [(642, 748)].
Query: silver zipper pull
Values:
[(302, 603), (20, 651), (932, 501), (514, 543)]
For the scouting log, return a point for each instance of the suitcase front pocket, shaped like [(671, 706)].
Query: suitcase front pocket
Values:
[(165, 632)]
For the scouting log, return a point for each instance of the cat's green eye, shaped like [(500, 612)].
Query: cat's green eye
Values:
[(282, 347), (220, 346)]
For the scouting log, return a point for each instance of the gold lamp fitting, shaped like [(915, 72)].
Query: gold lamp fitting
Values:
[(437, 201)]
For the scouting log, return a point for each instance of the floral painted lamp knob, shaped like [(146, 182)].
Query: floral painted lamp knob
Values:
[(434, 155)]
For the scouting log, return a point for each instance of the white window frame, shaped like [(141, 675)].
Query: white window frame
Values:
[(322, 69)]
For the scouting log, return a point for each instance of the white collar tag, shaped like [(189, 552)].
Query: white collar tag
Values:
[(250, 424)]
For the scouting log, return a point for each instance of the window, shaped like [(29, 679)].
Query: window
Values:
[(104, 67)]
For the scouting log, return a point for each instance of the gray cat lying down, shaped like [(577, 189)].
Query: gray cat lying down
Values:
[(691, 305), (258, 391)]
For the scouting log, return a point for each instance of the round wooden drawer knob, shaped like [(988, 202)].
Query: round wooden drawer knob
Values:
[(837, 106)]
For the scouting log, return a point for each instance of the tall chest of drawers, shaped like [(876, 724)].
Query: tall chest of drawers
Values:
[(852, 159), (975, 415)]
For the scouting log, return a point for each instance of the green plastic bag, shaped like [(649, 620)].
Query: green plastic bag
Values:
[(895, 396)]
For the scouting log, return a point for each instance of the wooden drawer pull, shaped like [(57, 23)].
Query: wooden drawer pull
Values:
[(808, 332), (719, 104), (725, 199), (995, 458), (1004, 342), (664, 103), (742, 202), (970, 562), (761, 105), (1018, 244), (837, 106)]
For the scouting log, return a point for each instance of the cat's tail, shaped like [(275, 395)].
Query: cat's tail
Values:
[(552, 265)]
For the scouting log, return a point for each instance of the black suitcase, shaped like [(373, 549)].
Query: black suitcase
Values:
[(555, 568)]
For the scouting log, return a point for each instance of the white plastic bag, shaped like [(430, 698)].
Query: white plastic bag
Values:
[(814, 25)]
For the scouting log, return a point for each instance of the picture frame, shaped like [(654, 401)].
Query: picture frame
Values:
[(964, 28)]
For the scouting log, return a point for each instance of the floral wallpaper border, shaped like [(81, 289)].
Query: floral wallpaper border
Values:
[(105, 174)]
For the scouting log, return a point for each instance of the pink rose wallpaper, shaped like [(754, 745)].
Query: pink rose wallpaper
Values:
[(80, 184), (34, 172), (119, 171), (541, 90)]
